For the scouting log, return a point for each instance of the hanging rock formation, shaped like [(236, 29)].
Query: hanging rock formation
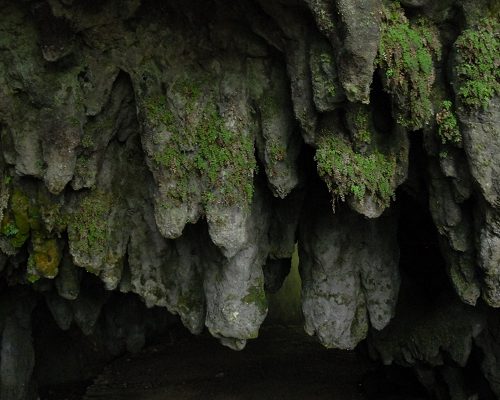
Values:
[(176, 151)]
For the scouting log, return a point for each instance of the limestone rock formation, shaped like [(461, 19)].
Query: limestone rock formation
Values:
[(170, 155)]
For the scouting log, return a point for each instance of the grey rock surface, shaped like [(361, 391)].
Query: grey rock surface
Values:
[(349, 275), (162, 158)]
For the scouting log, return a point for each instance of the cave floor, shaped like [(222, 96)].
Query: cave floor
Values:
[(282, 364)]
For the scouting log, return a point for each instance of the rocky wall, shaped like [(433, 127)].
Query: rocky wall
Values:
[(178, 151)]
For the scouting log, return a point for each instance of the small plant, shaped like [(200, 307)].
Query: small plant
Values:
[(347, 172), (478, 70), (277, 151), (10, 230), (17, 221), (362, 132), (448, 129), (87, 141), (201, 144), (7, 180), (87, 226), (405, 56)]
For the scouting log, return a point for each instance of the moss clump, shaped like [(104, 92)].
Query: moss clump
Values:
[(326, 62), (406, 58), (87, 141), (361, 126), (45, 258), (201, 144), (189, 302), (448, 129), (350, 173), (257, 296), (87, 226), (16, 221), (27, 217), (276, 150), (478, 70)]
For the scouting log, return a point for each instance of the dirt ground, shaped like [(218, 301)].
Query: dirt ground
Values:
[(282, 364)]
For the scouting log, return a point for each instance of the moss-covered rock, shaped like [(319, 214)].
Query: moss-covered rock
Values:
[(478, 66), (406, 58), (44, 259), (350, 173), (448, 129), (34, 218), (16, 221), (88, 226), (202, 144)]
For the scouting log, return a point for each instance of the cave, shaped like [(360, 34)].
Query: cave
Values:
[(249, 199)]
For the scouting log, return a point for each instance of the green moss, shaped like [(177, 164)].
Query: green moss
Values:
[(87, 141), (326, 62), (350, 173), (25, 218), (271, 106), (406, 58), (7, 180), (45, 257), (478, 71), (362, 132), (448, 129), (323, 15), (10, 230), (87, 226), (85, 170), (326, 87), (157, 111), (95, 129), (189, 302), (74, 121), (201, 144), (16, 221), (276, 150), (257, 296)]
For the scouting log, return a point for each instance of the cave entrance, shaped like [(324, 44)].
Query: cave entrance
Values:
[(283, 363), (285, 306)]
